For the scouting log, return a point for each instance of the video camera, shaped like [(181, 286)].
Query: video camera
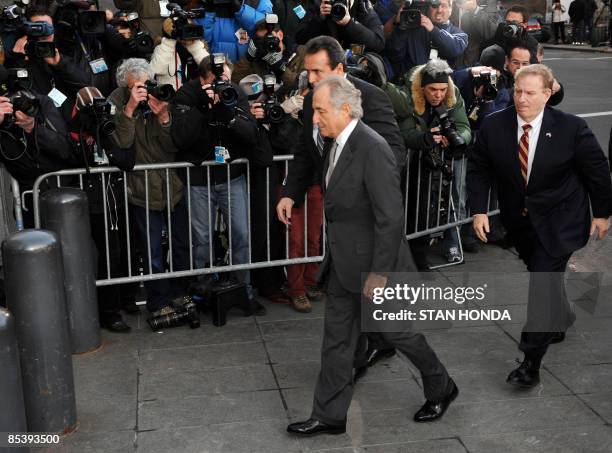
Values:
[(98, 116), (40, 49), (222, 88), (181, 28), (410, 16), (11, 17), (273, 112), (142, 41), (74, 15), (488, 80)]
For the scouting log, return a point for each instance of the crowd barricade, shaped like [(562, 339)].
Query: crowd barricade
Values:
[(430, 209)]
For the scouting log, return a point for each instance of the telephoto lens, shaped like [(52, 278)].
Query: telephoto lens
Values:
[(163, 92), (188, 314)]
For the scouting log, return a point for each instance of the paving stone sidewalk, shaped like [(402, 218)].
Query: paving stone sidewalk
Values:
[(235, 388)]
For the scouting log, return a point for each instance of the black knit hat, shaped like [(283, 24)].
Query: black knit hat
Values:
[(493, 56)]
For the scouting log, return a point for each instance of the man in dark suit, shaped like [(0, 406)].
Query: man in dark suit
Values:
[(547, 165), (363, 206), (324, 56)]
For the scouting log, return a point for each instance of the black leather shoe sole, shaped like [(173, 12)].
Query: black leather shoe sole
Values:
[(447, 402), (319, 429), (522, 384)]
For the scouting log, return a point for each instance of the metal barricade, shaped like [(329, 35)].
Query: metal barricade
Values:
[(443, 197)]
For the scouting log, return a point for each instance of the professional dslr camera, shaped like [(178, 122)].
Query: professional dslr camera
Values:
[(488, 80), (448, 128), (11, 16), (410, 17), (222, 88), (74, 15), (142, 41), (369, 67), (14, 86), (97, 116), (181, 28), (273, 111), (270, 42), (510, 31), (187, 314), (339, 8), (164, 93)]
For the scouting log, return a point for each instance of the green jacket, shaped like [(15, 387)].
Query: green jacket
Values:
[(409, 106), (153, 145)]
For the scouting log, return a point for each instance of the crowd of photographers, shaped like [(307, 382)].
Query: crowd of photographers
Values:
[(226, 79)]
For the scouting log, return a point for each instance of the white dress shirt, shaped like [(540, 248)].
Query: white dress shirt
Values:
[(534, 134), (342, 139)]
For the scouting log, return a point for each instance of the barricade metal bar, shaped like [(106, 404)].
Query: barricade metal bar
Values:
[(210, 235), (169, 222), (17, 206), (249, 211), (440, 180), (267, 214), (81, 181), (228, 221), (105, 211), (429, 231), (451, 186), (148, 233), (429, 185), (418, 194), (189, 233), (127, 224), (306, 224), (287, 226)]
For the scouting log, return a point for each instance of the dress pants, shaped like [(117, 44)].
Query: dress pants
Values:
[(334, 388), (548, 310)]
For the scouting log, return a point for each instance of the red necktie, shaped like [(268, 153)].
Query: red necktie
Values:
[(524, 151)]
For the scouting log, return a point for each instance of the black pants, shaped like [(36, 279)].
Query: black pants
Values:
[(334, 389), (548, 310), (559, 31)]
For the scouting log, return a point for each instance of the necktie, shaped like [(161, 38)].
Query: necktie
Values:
[(524, 151), (320, 143), (332, 162)]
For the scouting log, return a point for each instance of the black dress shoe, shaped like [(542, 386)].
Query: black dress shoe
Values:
[(375, 355), (432, 411), (558, 337), (312, 426), (526, 375), (115, 325)]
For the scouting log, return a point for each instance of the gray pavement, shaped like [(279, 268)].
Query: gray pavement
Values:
[(235, 388)]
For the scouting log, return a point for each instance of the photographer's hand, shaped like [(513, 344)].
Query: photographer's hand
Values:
[(20, 44), (276, 61), (439, 138), (211, 94), (426, 23), (257, 111), (138, 94), (54, 60), (160, 110), (24, 121), (5, 108)]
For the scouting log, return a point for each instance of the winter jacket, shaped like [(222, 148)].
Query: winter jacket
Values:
[(220, 29), (295, 64), (290, 23), (153, 145), (406, 49), (166, 61), (364, 28), (577, 11)]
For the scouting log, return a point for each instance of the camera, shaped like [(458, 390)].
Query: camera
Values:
[(11, 18), (181, 28), (510, 31), (98, 114), (448, 128), (38, 29), (339, 9), (222, 88), (92, 22), (273, 112), (410, 17), (23, 101), (142, 42), (16, 79), (187, 314), (163, 92), (270, 42), (40, 49), (487, 79)]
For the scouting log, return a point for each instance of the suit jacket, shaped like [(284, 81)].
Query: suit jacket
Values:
[(568, 169), (363, 209), (305, 169)]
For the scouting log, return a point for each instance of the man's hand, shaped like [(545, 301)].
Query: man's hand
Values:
[(211, 94), (426, 23), (257, 110), (138, 94), (20, 44), (5, 108), (556, 87), (439, 138), (160, 110), (481, 226), (283, 210), (54, 60), (293, 105), (373, 281), (24, 121), (601, 226)]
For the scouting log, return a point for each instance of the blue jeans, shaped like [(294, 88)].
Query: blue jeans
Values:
[(238, 203), (161, 292), (451, 238)]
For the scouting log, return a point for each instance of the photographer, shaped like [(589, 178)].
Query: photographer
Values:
[(91, 129), (433, 97), (33, 135), (51, 72), (480, 21), (175, 61), (212, 121), (513, 32), (143, 122), (124, 38), (268, 53), (294, 15), (348, 21), (420, 32), (228, 24)]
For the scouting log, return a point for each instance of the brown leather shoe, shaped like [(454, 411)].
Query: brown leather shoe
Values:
[(301, 304)]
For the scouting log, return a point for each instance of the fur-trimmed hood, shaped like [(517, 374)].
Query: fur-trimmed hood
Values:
[(418, 98)]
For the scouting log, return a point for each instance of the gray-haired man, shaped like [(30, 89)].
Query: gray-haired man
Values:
[(363, 206)]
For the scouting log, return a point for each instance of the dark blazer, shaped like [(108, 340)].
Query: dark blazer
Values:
[(363, 209), (569, 168), (305, 169)]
